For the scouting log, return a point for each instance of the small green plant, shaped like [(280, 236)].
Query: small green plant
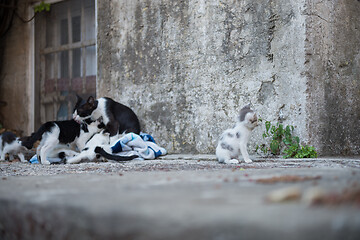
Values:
[(42, 7), (297, 151), (37, 9), (283, 142)]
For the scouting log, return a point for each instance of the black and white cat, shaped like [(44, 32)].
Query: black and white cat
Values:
[(88, 130), (118, 118), (11, 144), (234, 141), (67, 132), (99, 140)]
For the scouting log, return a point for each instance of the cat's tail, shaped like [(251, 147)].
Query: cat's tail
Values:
[(109, 156), (29, 141)]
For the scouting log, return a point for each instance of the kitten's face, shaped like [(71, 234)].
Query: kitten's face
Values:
[(84, 111), (97, 124), (91, 126), (251, 120), (249, 117)]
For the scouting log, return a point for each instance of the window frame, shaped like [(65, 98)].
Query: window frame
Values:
[(32, 89)]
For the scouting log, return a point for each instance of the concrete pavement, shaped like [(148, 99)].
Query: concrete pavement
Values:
[(182, 197)]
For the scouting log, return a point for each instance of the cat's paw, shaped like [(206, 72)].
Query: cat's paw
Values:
[(248, 160), (231, 161), (46, 162)]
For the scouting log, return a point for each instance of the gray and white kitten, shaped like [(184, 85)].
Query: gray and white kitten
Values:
[(234, 141)]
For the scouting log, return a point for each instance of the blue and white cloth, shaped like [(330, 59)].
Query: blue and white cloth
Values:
[(143, 145), (35, 160)]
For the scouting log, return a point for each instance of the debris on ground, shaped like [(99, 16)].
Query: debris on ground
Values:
[(286, 179), (346, 197), (284, 194), (315, 196)]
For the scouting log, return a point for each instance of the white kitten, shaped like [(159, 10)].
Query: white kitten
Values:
[(234, 140)]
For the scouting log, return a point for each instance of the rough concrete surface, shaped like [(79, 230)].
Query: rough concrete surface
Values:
[(182, 197)]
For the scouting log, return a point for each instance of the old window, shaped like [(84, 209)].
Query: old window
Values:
[(65, 58)]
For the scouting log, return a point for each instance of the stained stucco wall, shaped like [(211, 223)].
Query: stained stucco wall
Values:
[(187, 67), (14, 74), (333, 72)]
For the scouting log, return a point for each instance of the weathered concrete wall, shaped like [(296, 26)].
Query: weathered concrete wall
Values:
[(14, 74), (187, 67), (333, 72)]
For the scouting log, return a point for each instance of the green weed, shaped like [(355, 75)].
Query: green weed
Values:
[(283, 142)]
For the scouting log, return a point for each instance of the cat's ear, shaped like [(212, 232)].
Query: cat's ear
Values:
[(91, 100), (244, 111), (78, 101), (78, 98), (247, 106)]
